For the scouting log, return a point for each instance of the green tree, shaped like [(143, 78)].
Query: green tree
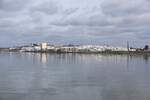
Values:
[(146, 47)]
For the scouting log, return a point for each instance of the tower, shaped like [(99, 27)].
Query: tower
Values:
[(43, 46), (128, 45)]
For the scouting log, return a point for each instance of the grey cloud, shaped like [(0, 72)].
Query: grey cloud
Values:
[(74, 20), (47, 7), (13, 5), (81, 21), (70, 11), (125, 7), (6, 23)]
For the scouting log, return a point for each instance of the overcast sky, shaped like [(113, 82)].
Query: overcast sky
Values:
[(75, 21)]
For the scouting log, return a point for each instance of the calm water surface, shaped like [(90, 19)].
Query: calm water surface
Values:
[(29, 76)]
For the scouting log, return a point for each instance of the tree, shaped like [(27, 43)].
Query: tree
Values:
[(146, 47)]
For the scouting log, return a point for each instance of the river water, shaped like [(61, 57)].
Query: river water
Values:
[(35, 76)]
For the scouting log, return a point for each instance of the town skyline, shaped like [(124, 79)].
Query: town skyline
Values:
[(123, 44)]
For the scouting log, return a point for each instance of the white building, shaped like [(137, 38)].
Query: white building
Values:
[(37, 48), (27, 49), (44, 46)]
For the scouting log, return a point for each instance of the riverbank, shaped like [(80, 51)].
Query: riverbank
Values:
[(103, 52)]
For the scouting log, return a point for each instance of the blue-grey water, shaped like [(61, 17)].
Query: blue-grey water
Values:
[(35, 76)]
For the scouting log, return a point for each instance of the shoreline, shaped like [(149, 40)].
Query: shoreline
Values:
[(87, 52)]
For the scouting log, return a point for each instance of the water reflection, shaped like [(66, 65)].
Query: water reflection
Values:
[(35, 76), (146, 58)]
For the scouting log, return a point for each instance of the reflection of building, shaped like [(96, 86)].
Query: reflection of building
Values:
[(44, 58), (41, 57)]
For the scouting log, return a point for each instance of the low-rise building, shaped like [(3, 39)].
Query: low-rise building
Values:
[(27, 49), (43, 46)]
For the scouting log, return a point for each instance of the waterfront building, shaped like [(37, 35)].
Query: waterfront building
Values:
[(37, 48), (27, 49), (75, 49), (43, 46), (68, 49), (132, 49)]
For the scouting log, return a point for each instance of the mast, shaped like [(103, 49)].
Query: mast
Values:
[(128, 45)]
